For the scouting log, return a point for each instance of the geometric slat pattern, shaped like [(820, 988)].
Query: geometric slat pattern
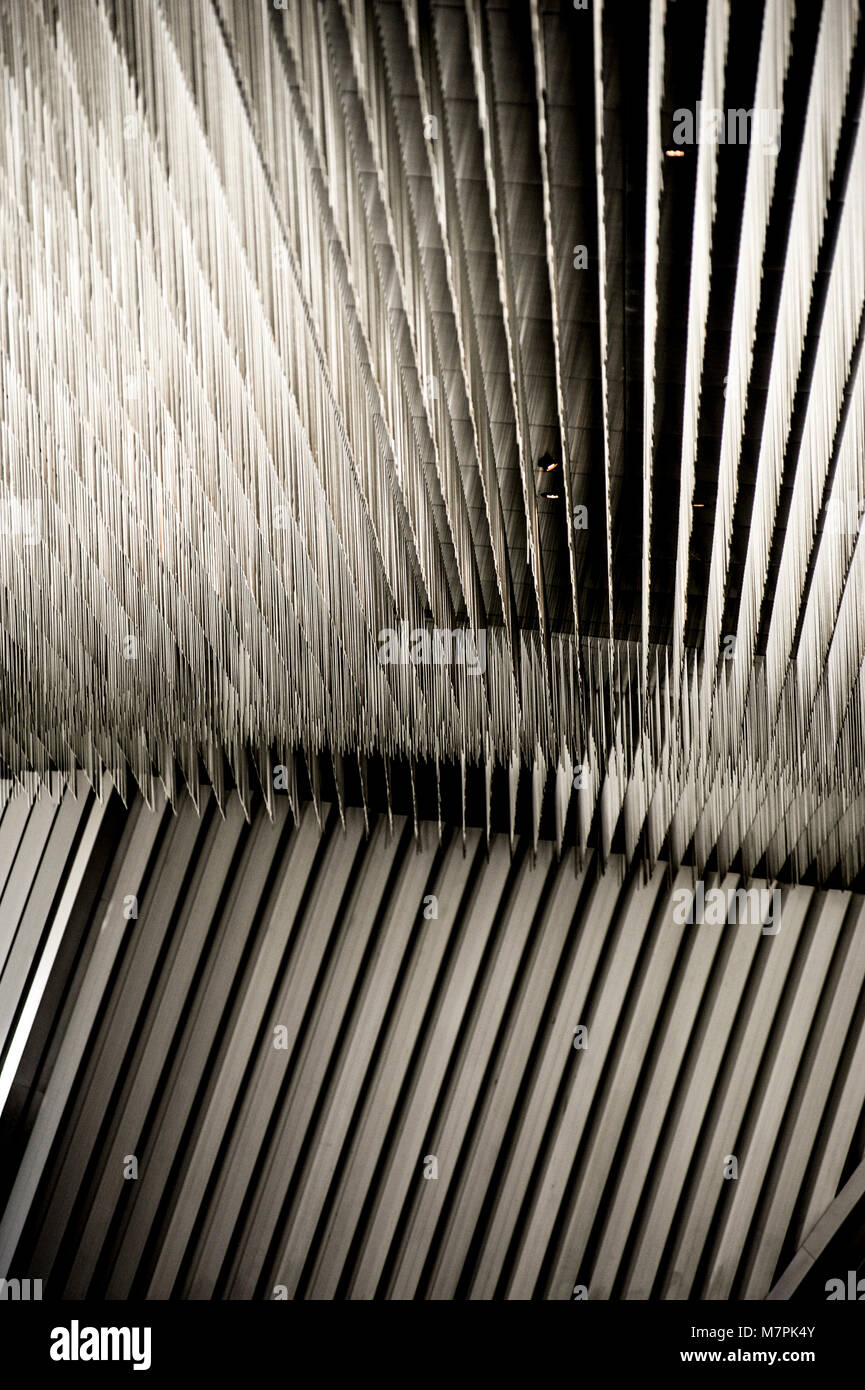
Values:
[(405, 1037), (293, 305)]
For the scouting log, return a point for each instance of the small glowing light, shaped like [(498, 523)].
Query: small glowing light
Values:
[(675, 154)]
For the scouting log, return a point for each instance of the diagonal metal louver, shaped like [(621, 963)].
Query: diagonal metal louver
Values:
[(231, 1049), (296, 299)]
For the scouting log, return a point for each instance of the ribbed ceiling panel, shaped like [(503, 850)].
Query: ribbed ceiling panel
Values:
[(424, 997), (327, 326)]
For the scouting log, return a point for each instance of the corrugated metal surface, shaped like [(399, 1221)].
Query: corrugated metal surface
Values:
[(301, 1167)]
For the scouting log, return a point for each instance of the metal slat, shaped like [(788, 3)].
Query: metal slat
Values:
[(456, 1106), (473, 1181), (702, 1070), (556, 1053), (404, 1162), (196, 923), (107, 1047), (148, 931), (653, 1101), (292, 1097), (298, 1172), (13, 975), (590, 1073), (755, 1152), (128, 870), (234, 1045), (47, 954), (733, 1091), (830, 1030), (400, 921), (386, 1085), (23, 873)]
